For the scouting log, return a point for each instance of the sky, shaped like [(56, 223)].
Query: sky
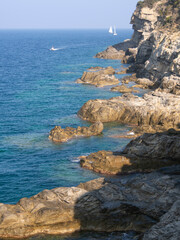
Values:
[(65, 14)]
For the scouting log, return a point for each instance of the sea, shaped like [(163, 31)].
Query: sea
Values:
[(37, 92)]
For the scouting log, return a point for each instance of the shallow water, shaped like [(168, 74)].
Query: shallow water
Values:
[(37, 92)]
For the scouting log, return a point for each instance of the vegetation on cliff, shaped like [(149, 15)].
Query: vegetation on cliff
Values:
[(169, 11)]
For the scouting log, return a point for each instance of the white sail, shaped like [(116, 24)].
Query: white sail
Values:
[(110, 30), (115, 33)]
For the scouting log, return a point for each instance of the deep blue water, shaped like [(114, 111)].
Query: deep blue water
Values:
[(37, 92)]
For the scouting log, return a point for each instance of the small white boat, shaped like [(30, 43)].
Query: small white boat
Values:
[(115, 33), (53, 49), (110, 30)]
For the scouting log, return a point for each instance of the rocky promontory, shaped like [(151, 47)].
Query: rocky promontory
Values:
[(143, 154), (99, 77), (146, 203), (155, 109), (59, 134), (154, 47)]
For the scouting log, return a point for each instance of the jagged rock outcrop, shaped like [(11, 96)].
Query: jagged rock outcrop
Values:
[(127, 79), (134, 202), (170, 84), (143, 83), (154, 49), (168, 227), (145, 153), (58, 134), (111, 53), (153, 109), (99, 77), (143, 23)]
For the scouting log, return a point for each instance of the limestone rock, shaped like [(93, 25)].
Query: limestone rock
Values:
[(99, 77), (146, 83), (58, 134), (170, 84), (124, 71), (127, 79), (132, 202), (105, 162), (143, 154), (169, 226), (153, 109), (123, 89), (108, 70), (165, 145), (130, 56), (111, 53), (158, 44), (154, 47)]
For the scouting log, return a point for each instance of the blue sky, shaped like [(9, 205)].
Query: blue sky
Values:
[(58, 14)]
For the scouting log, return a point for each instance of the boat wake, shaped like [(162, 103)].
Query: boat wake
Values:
[(56, 49)]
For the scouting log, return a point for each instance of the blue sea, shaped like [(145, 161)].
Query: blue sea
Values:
[(37, 92)]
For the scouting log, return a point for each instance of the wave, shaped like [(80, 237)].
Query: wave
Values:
[(75, 160)]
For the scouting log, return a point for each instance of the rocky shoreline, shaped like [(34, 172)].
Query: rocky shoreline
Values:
[(145, 194), (57, 134), (143, 154), (154, 110), (133, 202), (99, 77)]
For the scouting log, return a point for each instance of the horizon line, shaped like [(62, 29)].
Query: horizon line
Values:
[(61, 28)]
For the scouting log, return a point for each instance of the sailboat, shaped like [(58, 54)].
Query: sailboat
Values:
[(115, 33), (110, 30)]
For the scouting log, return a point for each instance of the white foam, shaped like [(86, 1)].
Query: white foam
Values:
[(76, 160)]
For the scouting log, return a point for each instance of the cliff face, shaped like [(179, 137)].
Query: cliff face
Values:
[(154, 49), (158, 48)]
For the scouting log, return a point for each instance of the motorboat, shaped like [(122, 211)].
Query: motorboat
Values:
[(53, 49)]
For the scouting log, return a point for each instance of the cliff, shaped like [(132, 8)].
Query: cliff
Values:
[(154, 49)]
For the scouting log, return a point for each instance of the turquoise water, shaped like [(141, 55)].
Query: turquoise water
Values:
[(37, 92)]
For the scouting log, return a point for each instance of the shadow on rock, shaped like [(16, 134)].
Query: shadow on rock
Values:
[(144, 154), (135, 202)]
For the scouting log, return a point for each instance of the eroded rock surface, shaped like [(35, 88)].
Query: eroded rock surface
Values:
[(111, 53), (134, 202), (168, 227), (58, 134), (170, 84), (123, 89), (154, 49), (145, 153), (153, 109), (99, 77)]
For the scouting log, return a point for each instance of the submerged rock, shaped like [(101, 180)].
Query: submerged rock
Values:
[(99, 77), (143, 154), (134, 202), (58, 134), (153, 109)]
